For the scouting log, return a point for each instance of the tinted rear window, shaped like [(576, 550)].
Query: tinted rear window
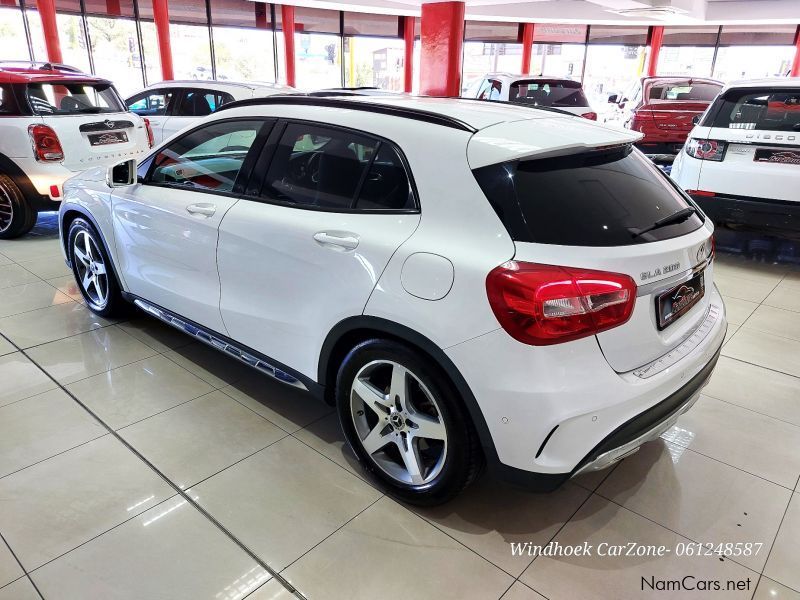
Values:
[(555, 93), (683, 90), (73, 98), (591, 199), (772, 110)]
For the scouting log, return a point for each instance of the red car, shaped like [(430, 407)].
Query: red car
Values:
[(664, 110)]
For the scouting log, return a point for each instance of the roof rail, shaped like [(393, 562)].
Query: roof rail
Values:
[(337, 101), (42, 66)]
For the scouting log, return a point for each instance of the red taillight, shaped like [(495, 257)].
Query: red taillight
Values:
[(701, 193), (46, 145), (592, 116), (545, 304), (149, 132), (706, 149), (55, 192)]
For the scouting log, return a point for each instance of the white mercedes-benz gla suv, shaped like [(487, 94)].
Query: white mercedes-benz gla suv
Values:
[(468, 282)]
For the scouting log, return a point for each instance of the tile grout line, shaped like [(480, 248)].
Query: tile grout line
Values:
[(275, 574), (25, 572), (755, 412), (772, 546)]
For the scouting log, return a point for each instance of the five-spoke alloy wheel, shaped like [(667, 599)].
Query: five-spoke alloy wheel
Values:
[(405, 422), (93, 271)]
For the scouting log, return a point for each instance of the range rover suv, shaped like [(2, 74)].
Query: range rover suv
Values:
[(462, 295)]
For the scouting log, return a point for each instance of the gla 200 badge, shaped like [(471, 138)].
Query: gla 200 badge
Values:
[(645, 275)]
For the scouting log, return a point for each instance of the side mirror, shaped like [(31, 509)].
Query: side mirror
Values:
[(695, 119), (122, 174), (613, 98)]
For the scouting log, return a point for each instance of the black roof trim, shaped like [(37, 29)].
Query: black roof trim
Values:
[(337, 102)]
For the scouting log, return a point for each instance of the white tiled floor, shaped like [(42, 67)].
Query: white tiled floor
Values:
[(136, 464)]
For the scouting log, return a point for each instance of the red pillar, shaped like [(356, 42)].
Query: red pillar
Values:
[(656, 37), (408, 65), (161, 18), (47, 11), (442, 41), (287, 17), (527, 47), (795, 72)]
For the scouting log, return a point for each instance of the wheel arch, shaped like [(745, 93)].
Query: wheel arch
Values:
[(66, 217), (11, 169), (351, 331)]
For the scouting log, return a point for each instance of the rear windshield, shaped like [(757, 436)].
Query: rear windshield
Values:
[(590, 199), (773, 110), (556, 93), (683, 90), (73, 98)]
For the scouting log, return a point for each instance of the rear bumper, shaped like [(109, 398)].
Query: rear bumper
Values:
[(666, 151), (754, 213)]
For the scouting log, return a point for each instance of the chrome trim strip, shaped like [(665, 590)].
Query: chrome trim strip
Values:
[(220, 344), (609, 458), (662, 285), (685, 347)]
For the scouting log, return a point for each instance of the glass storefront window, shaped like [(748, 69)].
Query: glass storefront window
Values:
[(37, 35), (12, 32), (481, 58), (152, 59), (74, 47), (191, 52), (280, 48), (558, 60), (610, 69), (375, 62), (115, 49), (318, 60), (257, 63), (686, 60), (752, 62)]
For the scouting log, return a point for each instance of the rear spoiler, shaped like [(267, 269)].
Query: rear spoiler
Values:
[(543, 138)]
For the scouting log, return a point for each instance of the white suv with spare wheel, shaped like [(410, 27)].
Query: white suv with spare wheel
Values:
[(462, 295), (56, 121), (741, 163)]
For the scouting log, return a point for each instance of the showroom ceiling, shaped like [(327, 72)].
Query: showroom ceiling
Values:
[(619, 12)]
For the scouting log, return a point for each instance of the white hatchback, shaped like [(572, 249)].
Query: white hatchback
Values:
[(539, 92), (170, 106), (741, 163), (462, 295)]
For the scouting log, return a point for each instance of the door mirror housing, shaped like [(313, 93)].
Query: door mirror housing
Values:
[(121, 174), (613, 99)]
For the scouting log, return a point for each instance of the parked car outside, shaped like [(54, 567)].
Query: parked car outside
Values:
[(664, 109), (172, 105), (552, 92), (462, 295), (56, 121), (741, 163)]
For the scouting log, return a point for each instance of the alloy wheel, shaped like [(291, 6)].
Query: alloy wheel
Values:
[(6, 209), (91, 269), (398, 422)]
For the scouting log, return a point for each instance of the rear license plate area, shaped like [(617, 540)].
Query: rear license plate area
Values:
[(784, 157), (108, 137), (677, 301)]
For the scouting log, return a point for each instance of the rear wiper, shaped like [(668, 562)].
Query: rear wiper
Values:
[(676, 217)]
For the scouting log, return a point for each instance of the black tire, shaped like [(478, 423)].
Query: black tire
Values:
[(102, 299), (16, 215), (462, 456)]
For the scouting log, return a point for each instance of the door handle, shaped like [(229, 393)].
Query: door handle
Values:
[(207, 210), (339, 239)]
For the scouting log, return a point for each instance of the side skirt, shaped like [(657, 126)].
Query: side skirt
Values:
[(229, 347)]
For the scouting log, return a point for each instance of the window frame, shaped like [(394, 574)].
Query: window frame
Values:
[(270, 147), (267, 126), (183, 91), (163, 91)]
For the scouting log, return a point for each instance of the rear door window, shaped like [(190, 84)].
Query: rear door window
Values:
[(590, 199), (8, 103), (199, 103), (555, 93), (771, 110)]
